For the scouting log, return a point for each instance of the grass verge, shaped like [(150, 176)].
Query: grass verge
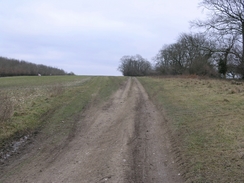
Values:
[(52, 103), (206, 119)]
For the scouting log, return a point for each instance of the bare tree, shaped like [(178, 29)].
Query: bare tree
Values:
[(191, 54), (225, 54), (134, 66), (225, 17)]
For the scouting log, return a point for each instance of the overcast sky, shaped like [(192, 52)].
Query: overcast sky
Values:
[(88, 37)]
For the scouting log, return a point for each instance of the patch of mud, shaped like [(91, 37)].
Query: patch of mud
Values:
[(13, 148)]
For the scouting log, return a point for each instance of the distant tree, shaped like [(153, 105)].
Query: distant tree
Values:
[(191, 54), (13, 67), (71, 73), (134, 66)]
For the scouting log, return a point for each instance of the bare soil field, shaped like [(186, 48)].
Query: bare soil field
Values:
[(124, 139)]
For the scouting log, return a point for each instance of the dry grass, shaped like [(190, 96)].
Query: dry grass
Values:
[(6, 107), (206, 117), (28, 103)]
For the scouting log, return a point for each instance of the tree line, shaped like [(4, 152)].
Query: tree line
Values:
[(13, 67), (217, 51)]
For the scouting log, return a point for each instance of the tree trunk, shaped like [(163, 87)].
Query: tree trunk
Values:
[(242, 41)]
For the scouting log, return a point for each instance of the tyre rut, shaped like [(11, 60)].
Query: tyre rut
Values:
[(124, 140)]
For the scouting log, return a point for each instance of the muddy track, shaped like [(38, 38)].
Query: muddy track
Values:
[(124, 140)]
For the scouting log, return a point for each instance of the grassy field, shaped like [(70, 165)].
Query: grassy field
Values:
[(207, 118), (29, 104)]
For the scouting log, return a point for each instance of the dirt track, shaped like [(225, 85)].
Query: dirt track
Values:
[(123, 140)]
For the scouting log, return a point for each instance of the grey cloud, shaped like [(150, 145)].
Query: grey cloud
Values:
[(89, 37)]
